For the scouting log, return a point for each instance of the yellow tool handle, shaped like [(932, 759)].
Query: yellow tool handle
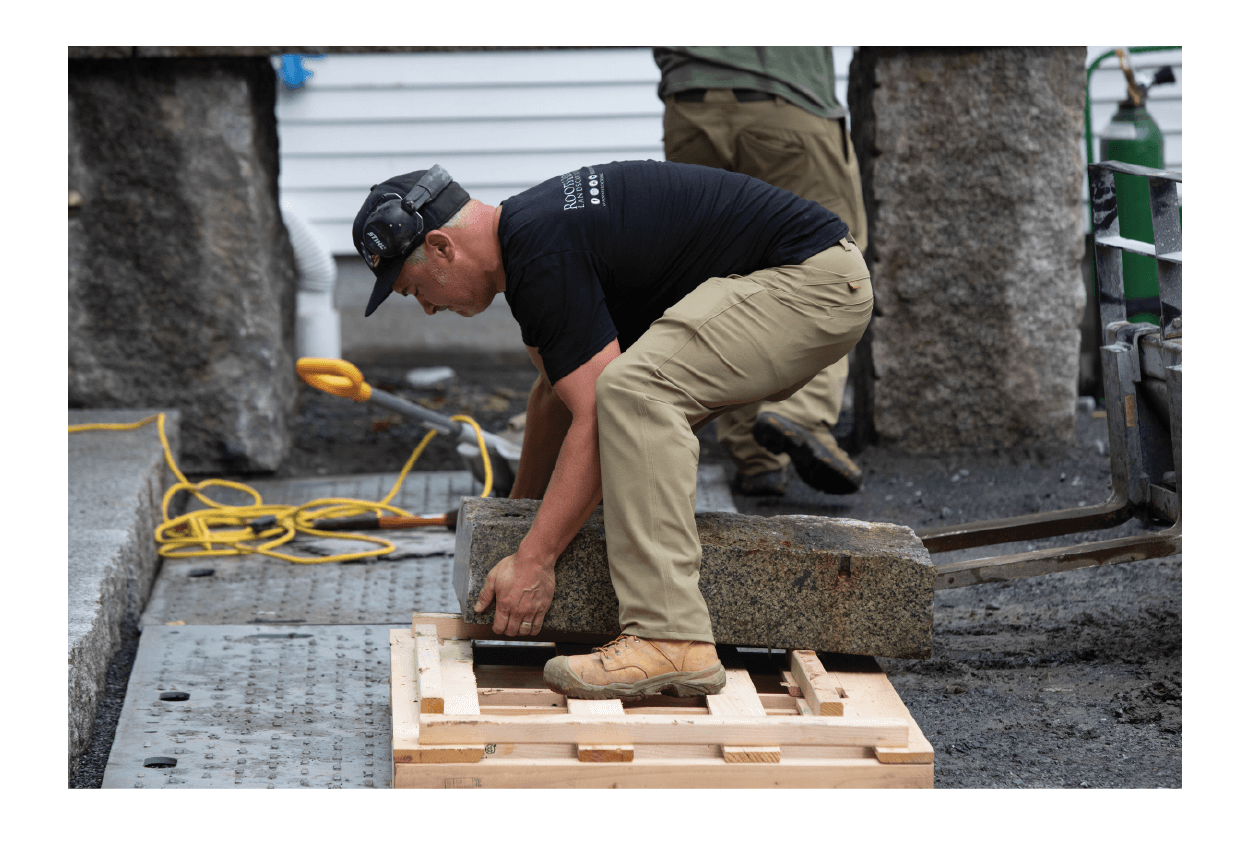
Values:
[(335, 376)]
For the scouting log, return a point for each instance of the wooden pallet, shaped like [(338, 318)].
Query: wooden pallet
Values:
[(457, 724)]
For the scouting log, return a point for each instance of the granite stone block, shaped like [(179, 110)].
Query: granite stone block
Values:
[(973, 169), (116, 481), (182, 279), (792, 581)]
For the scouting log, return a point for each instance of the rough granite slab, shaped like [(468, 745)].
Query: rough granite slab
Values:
[(116, 482), (793, 581), (989, 308)]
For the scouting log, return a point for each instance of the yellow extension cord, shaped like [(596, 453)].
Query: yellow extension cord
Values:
[(222, 530)]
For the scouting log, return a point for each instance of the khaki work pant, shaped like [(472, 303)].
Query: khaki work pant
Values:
[(732, 341), (788, 147)]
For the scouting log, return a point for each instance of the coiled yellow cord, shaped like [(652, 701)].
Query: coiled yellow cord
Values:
[(223, 531)]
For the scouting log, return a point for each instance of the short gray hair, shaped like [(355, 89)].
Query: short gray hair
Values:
[(456, 221)]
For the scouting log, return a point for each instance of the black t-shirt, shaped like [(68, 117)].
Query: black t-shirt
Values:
[(602, 252)]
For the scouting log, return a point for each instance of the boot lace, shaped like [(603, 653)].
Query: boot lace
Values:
[(615, 645)]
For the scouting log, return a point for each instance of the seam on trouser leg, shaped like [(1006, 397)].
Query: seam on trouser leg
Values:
[(645, 550), (653, 495)]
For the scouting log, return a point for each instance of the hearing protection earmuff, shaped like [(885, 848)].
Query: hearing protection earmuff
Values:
[(395, 226)]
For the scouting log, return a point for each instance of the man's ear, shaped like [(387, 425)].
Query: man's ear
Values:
[(439, 246)]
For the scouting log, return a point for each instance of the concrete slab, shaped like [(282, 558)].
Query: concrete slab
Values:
[(116, 482), (795, 581)]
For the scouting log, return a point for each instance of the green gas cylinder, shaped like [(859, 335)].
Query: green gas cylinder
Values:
[(1134, 137)]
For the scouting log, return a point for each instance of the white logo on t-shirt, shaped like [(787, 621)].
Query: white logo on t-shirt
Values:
[(572, 183), (575, 194)]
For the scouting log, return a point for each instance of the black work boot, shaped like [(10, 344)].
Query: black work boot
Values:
[(770, 483), (817, 457)]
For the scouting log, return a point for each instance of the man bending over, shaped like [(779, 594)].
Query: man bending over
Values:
[(652, 297)]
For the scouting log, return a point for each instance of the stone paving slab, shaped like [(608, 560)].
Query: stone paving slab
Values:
[(796, 581), (116, 482)]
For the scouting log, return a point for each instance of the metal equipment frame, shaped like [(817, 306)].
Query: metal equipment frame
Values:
[(1142, 382)]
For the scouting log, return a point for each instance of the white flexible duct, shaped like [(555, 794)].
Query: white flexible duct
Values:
[(316, 320)]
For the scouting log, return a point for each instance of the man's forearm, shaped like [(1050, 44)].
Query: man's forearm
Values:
[(574, 491), (546, 423)]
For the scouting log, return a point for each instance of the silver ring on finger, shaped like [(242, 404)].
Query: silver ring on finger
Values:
[(527, 625)]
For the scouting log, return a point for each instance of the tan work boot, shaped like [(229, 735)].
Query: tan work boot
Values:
[(815, 453), (631, 667)]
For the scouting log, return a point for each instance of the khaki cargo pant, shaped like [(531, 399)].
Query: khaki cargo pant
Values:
[(732, 341), (788, 147)]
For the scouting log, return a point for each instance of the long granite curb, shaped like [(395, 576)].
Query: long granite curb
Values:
[(116, 482), (794, 581)]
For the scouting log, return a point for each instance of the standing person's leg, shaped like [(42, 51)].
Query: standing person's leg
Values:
[(732, 340), (790, 148), (813, 409), (704, 134), (801, 428)]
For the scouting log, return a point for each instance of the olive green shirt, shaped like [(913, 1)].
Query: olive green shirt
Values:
[(802, 75)]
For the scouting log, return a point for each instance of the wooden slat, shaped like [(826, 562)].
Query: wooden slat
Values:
[(820, 688), (406, 747), (775, 702), (691, 773), (671, 752), (542, 699), (662, 729), (600, 752), (457, 754), (405, 719), (459, 682), (869, 694), (739, 699), (429, 674)]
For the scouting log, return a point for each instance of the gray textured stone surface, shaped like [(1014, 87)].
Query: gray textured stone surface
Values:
[(267, 708), (973, 171), (181, 275), (768, 582), (116, 482)]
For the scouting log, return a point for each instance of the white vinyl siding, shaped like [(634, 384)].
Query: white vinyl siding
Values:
[(502, 121), (498, 121)]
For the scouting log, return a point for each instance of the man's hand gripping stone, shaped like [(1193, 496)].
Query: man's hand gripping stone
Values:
[(522, 594)]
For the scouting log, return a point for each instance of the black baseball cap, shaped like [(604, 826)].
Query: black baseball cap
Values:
[(383, 250)]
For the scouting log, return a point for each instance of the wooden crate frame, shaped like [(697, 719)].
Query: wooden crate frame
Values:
[(457, 725)]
